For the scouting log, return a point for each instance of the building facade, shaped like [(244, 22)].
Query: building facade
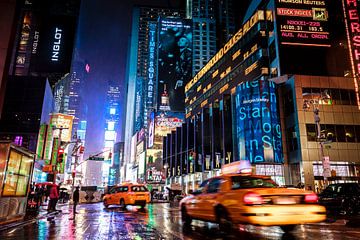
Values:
[(141, 70), (257, 99)]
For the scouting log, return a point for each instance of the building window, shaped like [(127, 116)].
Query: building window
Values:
[(311, 132), (335, 133)]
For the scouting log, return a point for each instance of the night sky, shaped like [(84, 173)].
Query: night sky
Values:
[(103, 41)]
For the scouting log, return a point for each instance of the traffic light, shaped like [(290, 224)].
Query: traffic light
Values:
[(110, 155), (82, 149), (192, 155), (60, 155)]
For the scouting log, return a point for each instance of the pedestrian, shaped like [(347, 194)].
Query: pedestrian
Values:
[(54, 196), (76, 198)]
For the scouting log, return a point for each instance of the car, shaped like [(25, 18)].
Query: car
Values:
[(127, 194), (341, 198), (236, 198)]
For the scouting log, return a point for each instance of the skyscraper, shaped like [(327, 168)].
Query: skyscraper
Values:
[(41, 54), (138, 75), (213, 26)]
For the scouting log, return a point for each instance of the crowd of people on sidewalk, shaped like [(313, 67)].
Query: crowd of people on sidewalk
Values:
[(42, 194)]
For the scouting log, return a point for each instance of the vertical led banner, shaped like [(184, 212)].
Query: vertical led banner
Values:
[(41, 142), (139, 106), (151, 71), (352, 25), (151, 130), (174, 60), (257, 123)]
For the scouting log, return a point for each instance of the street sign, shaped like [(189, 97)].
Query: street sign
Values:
[(96, 158), (326, 166)]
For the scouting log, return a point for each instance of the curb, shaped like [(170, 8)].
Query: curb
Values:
[(17, 224)]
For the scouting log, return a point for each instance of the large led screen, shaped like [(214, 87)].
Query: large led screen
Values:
[(302, 22), (257, 122), (174, 61)]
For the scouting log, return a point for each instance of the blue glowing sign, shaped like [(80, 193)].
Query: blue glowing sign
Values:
[(258, 125)]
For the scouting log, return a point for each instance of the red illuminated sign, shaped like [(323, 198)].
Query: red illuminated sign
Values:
[(352, 25)]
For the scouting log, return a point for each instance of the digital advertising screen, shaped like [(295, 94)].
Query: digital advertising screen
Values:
[(174, 60), (53, 43), (257, 122), (303, 22)]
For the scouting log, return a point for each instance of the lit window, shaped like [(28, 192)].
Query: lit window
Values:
[(112, 111), (111, 126)]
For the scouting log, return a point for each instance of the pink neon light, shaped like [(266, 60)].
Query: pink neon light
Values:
[(352, 19)]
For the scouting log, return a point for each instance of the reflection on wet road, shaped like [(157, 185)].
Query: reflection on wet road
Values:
[(157, 221)]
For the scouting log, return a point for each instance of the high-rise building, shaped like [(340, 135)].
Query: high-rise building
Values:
[(282, 93), (69, 94), (7, 24), (141, 64), (213, 26), (44, 34)]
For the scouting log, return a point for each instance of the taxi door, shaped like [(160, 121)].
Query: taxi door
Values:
[(195, 205), (209, 199), (112, 197)]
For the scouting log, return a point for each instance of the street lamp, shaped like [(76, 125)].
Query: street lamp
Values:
[(316, 100)]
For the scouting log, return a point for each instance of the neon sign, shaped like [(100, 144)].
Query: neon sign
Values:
[(151, 68), (352, 26), (56, 45), (259, 15)]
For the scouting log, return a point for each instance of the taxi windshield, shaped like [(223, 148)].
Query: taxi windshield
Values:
[(139, 189), (240, 182)]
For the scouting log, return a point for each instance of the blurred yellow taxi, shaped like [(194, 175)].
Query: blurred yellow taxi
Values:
[(234, 198), (127, 194)]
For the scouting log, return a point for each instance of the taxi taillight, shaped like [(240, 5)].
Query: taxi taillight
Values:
[(311, 198), (252, 198)]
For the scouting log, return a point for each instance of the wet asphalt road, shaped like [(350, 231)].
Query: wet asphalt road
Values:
[(157, 221)]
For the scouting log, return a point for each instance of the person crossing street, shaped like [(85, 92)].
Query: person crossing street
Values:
[(76, 198)]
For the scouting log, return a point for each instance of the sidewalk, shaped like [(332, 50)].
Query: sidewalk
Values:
[(29, 218)]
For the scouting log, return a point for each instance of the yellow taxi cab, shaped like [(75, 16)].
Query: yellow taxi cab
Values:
[(127, 194), (234, 198)]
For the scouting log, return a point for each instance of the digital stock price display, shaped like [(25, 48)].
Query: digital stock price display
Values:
[(302, 22)]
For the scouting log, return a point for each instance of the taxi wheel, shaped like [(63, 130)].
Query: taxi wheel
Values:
[(288, 228), (106, 205), (186, 219), (225, 224), (122, 204)]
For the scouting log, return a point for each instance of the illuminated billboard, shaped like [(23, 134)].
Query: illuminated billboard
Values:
[(64, 122), (351, 15), (174, 61), (258, 132), (302, 22), (139, 104), (53, 42)]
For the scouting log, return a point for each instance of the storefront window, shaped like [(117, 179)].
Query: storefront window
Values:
[(342, 169), (17, 174), (273, 170)]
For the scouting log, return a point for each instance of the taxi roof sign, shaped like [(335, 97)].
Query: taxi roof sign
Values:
[(242, 166)]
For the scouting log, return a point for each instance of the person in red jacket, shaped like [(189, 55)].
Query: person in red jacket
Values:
[(54, 196)]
